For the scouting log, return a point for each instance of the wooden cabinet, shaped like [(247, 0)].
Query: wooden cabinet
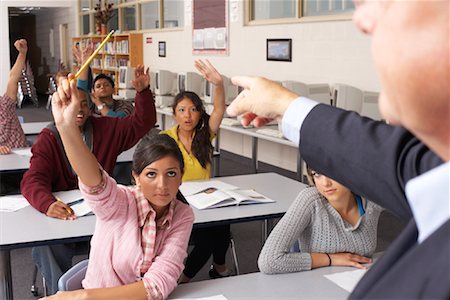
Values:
[(121, 50)]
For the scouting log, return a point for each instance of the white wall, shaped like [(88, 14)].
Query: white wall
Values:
[(65, 16), (323, 52)]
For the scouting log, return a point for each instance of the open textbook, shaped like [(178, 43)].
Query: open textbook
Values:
[(75, 200), (214, 193)]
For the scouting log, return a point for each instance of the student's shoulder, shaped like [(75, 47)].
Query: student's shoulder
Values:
[(182, 211), (309, 197), (172, 132)]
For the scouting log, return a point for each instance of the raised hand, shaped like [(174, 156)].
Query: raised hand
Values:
[(66, 103), (141, 78), (82, 54), (208, 71), (261, 100), (21, 46)]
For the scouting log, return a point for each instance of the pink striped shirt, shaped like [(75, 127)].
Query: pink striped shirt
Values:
[(116, 256)]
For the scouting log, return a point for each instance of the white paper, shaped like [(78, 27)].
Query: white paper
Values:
[(22, 151), (68, 196), (12, 203), (216, 297), (347, 280), (81, 209), (191, 187)]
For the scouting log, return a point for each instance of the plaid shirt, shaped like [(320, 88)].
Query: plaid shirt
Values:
[(11, 133), (146, 219)]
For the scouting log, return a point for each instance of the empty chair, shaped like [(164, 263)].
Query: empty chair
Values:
[(71, 280), (348, 97)]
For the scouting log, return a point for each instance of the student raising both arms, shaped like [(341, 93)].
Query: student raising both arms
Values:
[(142, 232), (333, 227)]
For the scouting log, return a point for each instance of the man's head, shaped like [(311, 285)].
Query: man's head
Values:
[(85, 108), (411, 54), (103, 87)]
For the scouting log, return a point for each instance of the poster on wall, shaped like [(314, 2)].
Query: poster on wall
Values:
[(210, 27)]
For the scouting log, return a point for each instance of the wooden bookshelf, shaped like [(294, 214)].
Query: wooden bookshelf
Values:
[(121, 50)]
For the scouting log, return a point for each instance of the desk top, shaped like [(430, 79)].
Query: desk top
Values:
[(300, 285), (14, 162), (28, 227), (34, 127)]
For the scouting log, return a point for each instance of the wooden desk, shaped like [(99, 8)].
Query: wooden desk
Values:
[(300, 285), (42, 230)]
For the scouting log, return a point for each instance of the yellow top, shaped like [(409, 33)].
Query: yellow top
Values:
[(193, 170)]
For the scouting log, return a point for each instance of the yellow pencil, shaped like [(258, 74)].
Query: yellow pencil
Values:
[(86, 64)]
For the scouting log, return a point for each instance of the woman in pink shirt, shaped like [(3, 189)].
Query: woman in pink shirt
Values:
[(142, 232)]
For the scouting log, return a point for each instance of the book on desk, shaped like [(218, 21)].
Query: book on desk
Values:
[(214, 193)]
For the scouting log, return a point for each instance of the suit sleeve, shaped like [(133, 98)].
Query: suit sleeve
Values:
[(371, 158)]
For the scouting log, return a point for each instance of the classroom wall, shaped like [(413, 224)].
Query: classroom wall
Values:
[(70, 18), (323, 52)]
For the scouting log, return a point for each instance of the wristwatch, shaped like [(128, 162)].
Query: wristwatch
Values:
[(100, 106)]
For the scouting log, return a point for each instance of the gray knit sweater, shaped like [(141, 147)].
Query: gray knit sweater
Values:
[(317, 227)]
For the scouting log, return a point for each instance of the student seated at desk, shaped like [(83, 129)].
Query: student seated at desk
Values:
[(50, 171), (11, 132), (333, 227), (102, 88), (193, 133), (141, 232)]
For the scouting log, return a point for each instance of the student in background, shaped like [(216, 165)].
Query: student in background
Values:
[(332, 226), (102, 88), (11, 132), (50, 171), (405, 170), (142, 232), (193, 133)]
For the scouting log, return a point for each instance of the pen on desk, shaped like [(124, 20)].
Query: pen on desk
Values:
[(86, 64), (69, 210)]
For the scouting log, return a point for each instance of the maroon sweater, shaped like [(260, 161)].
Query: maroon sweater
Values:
[(49, 171)]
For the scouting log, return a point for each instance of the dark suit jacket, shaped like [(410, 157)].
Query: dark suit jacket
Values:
[(376, 161)]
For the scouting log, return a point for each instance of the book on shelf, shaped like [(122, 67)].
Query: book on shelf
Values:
[(213, 194), (75, 200)]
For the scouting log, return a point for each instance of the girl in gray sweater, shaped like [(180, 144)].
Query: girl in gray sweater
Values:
[(333, 227)]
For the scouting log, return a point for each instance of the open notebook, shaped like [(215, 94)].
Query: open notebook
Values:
[(214, 193), (75, 200)]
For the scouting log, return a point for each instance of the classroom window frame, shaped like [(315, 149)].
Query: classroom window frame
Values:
[(121, 6), (300, 17), (273, 56)]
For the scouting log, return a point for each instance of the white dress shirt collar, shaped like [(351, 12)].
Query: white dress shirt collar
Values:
[(429, 198)]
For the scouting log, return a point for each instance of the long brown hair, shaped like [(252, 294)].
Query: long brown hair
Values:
[(201, 145)]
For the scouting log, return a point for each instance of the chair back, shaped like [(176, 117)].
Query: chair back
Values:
[(71, 280)]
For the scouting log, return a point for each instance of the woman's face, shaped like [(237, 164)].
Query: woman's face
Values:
[(186, 114), (332, 190), (159, 181)]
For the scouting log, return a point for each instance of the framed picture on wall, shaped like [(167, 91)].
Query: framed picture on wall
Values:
[(279, 49), (162, 49)]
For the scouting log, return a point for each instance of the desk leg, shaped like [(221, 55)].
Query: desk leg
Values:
[(255, 154), (163, 122), (266, 228), (6, 291)]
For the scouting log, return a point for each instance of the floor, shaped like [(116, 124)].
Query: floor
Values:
[(247, 236)]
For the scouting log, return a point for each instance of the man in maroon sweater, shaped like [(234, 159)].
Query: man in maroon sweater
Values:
[(50, 170)]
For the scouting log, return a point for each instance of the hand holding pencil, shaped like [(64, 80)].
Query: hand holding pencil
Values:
[(60, 210)]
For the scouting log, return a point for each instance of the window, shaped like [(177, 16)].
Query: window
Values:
[(284, 11), (130, 15)]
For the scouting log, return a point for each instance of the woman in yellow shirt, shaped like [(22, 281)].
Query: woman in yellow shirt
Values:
[(193, 133)]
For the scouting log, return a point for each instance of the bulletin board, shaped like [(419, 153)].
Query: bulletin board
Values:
[(210, 26)]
